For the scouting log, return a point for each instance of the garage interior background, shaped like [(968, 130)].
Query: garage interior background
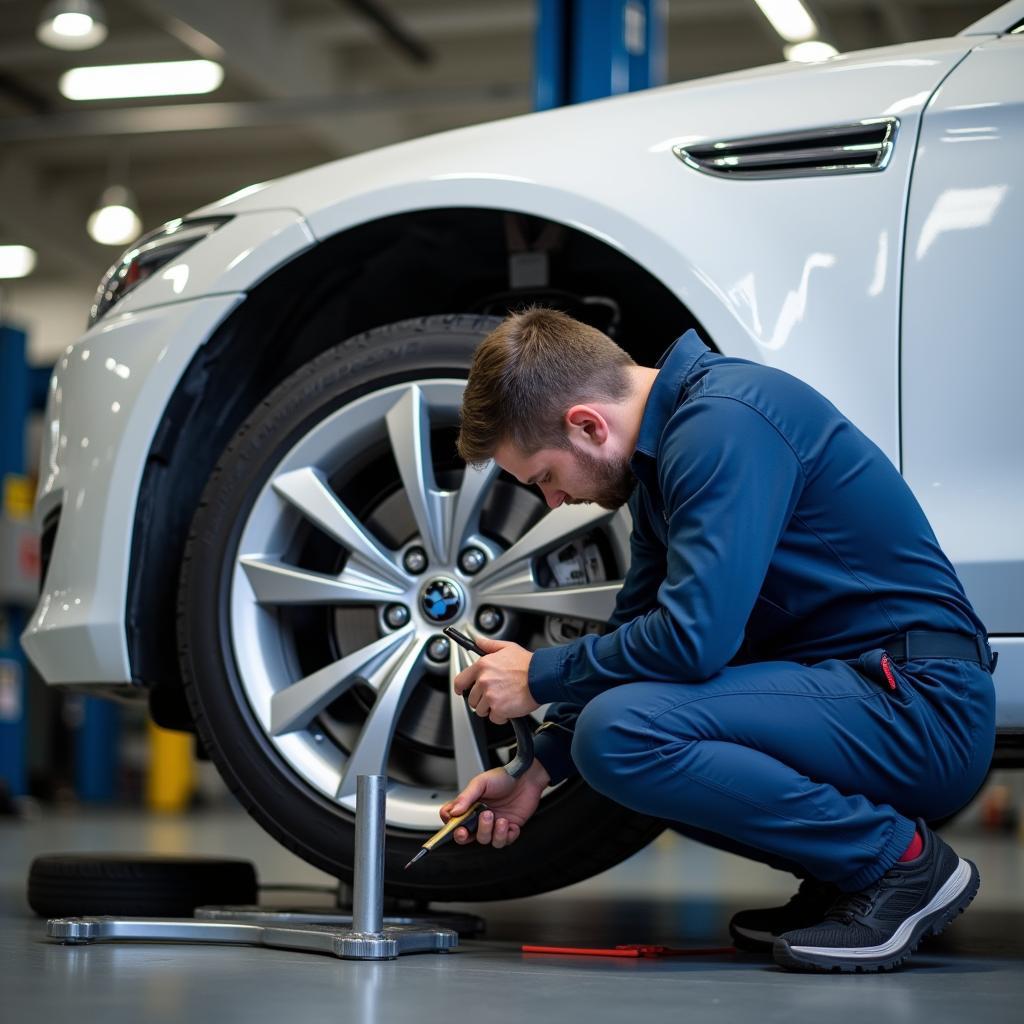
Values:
[(301, 82)]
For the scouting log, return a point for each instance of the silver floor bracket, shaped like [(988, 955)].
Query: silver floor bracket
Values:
[(368, 938), (468, 926)]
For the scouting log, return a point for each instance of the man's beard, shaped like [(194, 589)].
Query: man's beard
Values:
[(613, 482)]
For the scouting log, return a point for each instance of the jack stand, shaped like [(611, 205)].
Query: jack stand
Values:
[(367, 939)]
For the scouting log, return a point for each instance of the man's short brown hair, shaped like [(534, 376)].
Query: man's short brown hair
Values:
[(527, 373)]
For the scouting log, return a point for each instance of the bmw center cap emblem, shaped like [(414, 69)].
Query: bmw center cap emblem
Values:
[(441, 599)]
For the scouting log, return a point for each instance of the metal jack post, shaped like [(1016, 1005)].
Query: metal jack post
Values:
[(368, 938)]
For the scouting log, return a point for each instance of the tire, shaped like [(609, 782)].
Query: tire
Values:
[(230, 643), (74, 885)]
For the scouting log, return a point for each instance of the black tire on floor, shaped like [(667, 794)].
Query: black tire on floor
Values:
[(575, 834), (72, 885)]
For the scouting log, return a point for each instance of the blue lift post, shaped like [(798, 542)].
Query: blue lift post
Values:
[(96, 739), (15, 390), (586, 49), (23, 388)]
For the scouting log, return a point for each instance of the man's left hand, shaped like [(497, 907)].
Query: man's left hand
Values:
[(497, 682)]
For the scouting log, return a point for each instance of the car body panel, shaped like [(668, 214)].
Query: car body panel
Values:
[(712, 242), (232, 259), (106, 396), (962, 358), (802, 273)]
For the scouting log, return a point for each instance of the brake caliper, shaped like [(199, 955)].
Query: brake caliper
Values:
[(574, 565)]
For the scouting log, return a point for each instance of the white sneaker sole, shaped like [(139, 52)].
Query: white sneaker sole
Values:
[(952, 899)]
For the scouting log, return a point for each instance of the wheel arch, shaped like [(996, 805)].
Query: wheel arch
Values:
[(445, 260)]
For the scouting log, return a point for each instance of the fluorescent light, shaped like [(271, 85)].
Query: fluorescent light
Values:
[(118, 81), (114, 225), (16, 260), (114, 221), (789, 18), (72, 25), (810, 51)]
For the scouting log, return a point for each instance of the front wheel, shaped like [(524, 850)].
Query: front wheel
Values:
[(337, 535)]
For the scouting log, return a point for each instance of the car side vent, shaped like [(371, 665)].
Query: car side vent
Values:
[(841, 149)]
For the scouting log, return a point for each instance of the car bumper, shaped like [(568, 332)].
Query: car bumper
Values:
[(105, 401)]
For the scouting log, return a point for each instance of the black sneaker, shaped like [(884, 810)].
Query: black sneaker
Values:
[(878, 928), (757, 929)]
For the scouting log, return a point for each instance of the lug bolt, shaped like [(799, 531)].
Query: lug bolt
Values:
[(396, 615), (415, 560), (437, 649), (489, 619), (471, 561)]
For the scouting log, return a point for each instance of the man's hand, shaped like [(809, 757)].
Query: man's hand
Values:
[(497, 683), (510, 802)]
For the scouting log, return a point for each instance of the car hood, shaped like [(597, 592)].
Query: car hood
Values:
[(780, 97)]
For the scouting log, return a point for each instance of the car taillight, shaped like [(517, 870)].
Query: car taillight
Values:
[(146, 256)]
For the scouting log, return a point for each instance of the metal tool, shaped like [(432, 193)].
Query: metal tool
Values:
[(515, 768), (520, 726), (368, 939), (442, 835)]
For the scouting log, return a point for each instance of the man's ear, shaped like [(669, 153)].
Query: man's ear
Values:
[(587, 425)]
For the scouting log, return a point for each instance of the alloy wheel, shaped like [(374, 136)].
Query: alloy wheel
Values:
[(366, 539)]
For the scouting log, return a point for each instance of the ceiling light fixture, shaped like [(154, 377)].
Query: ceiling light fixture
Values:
[(16, 261), (809, 51), (789, 18), (72, 25), (114, 221), (123, 81)]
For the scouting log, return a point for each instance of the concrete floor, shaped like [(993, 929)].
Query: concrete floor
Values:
[(675, 892)]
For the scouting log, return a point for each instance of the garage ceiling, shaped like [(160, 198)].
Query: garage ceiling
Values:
[(309, 80)]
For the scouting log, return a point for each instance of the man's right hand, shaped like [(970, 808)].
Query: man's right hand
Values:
[(510, 803)]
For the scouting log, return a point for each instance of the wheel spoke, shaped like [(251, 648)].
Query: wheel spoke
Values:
[(594, 601), (274, 583), (307, 489), (297, 705), (468, 732), (408, 424), (557, 527), (468, 499), (370, 754)]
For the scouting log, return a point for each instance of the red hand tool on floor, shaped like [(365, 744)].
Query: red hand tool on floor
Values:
[(633, 950)]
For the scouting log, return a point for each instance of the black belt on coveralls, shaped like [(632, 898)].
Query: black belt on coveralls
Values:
[(926, 643)]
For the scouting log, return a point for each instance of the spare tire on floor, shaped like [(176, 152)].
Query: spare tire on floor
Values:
[(76, 884)]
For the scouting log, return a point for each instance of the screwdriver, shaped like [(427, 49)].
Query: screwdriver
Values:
[(515, 767), (469, 819)]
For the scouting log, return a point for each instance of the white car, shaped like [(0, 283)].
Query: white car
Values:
[(249, 480)]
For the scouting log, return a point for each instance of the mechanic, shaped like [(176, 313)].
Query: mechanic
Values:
[(792, 672)]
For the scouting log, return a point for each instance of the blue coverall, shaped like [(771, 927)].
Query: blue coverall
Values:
[(741, 692)]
